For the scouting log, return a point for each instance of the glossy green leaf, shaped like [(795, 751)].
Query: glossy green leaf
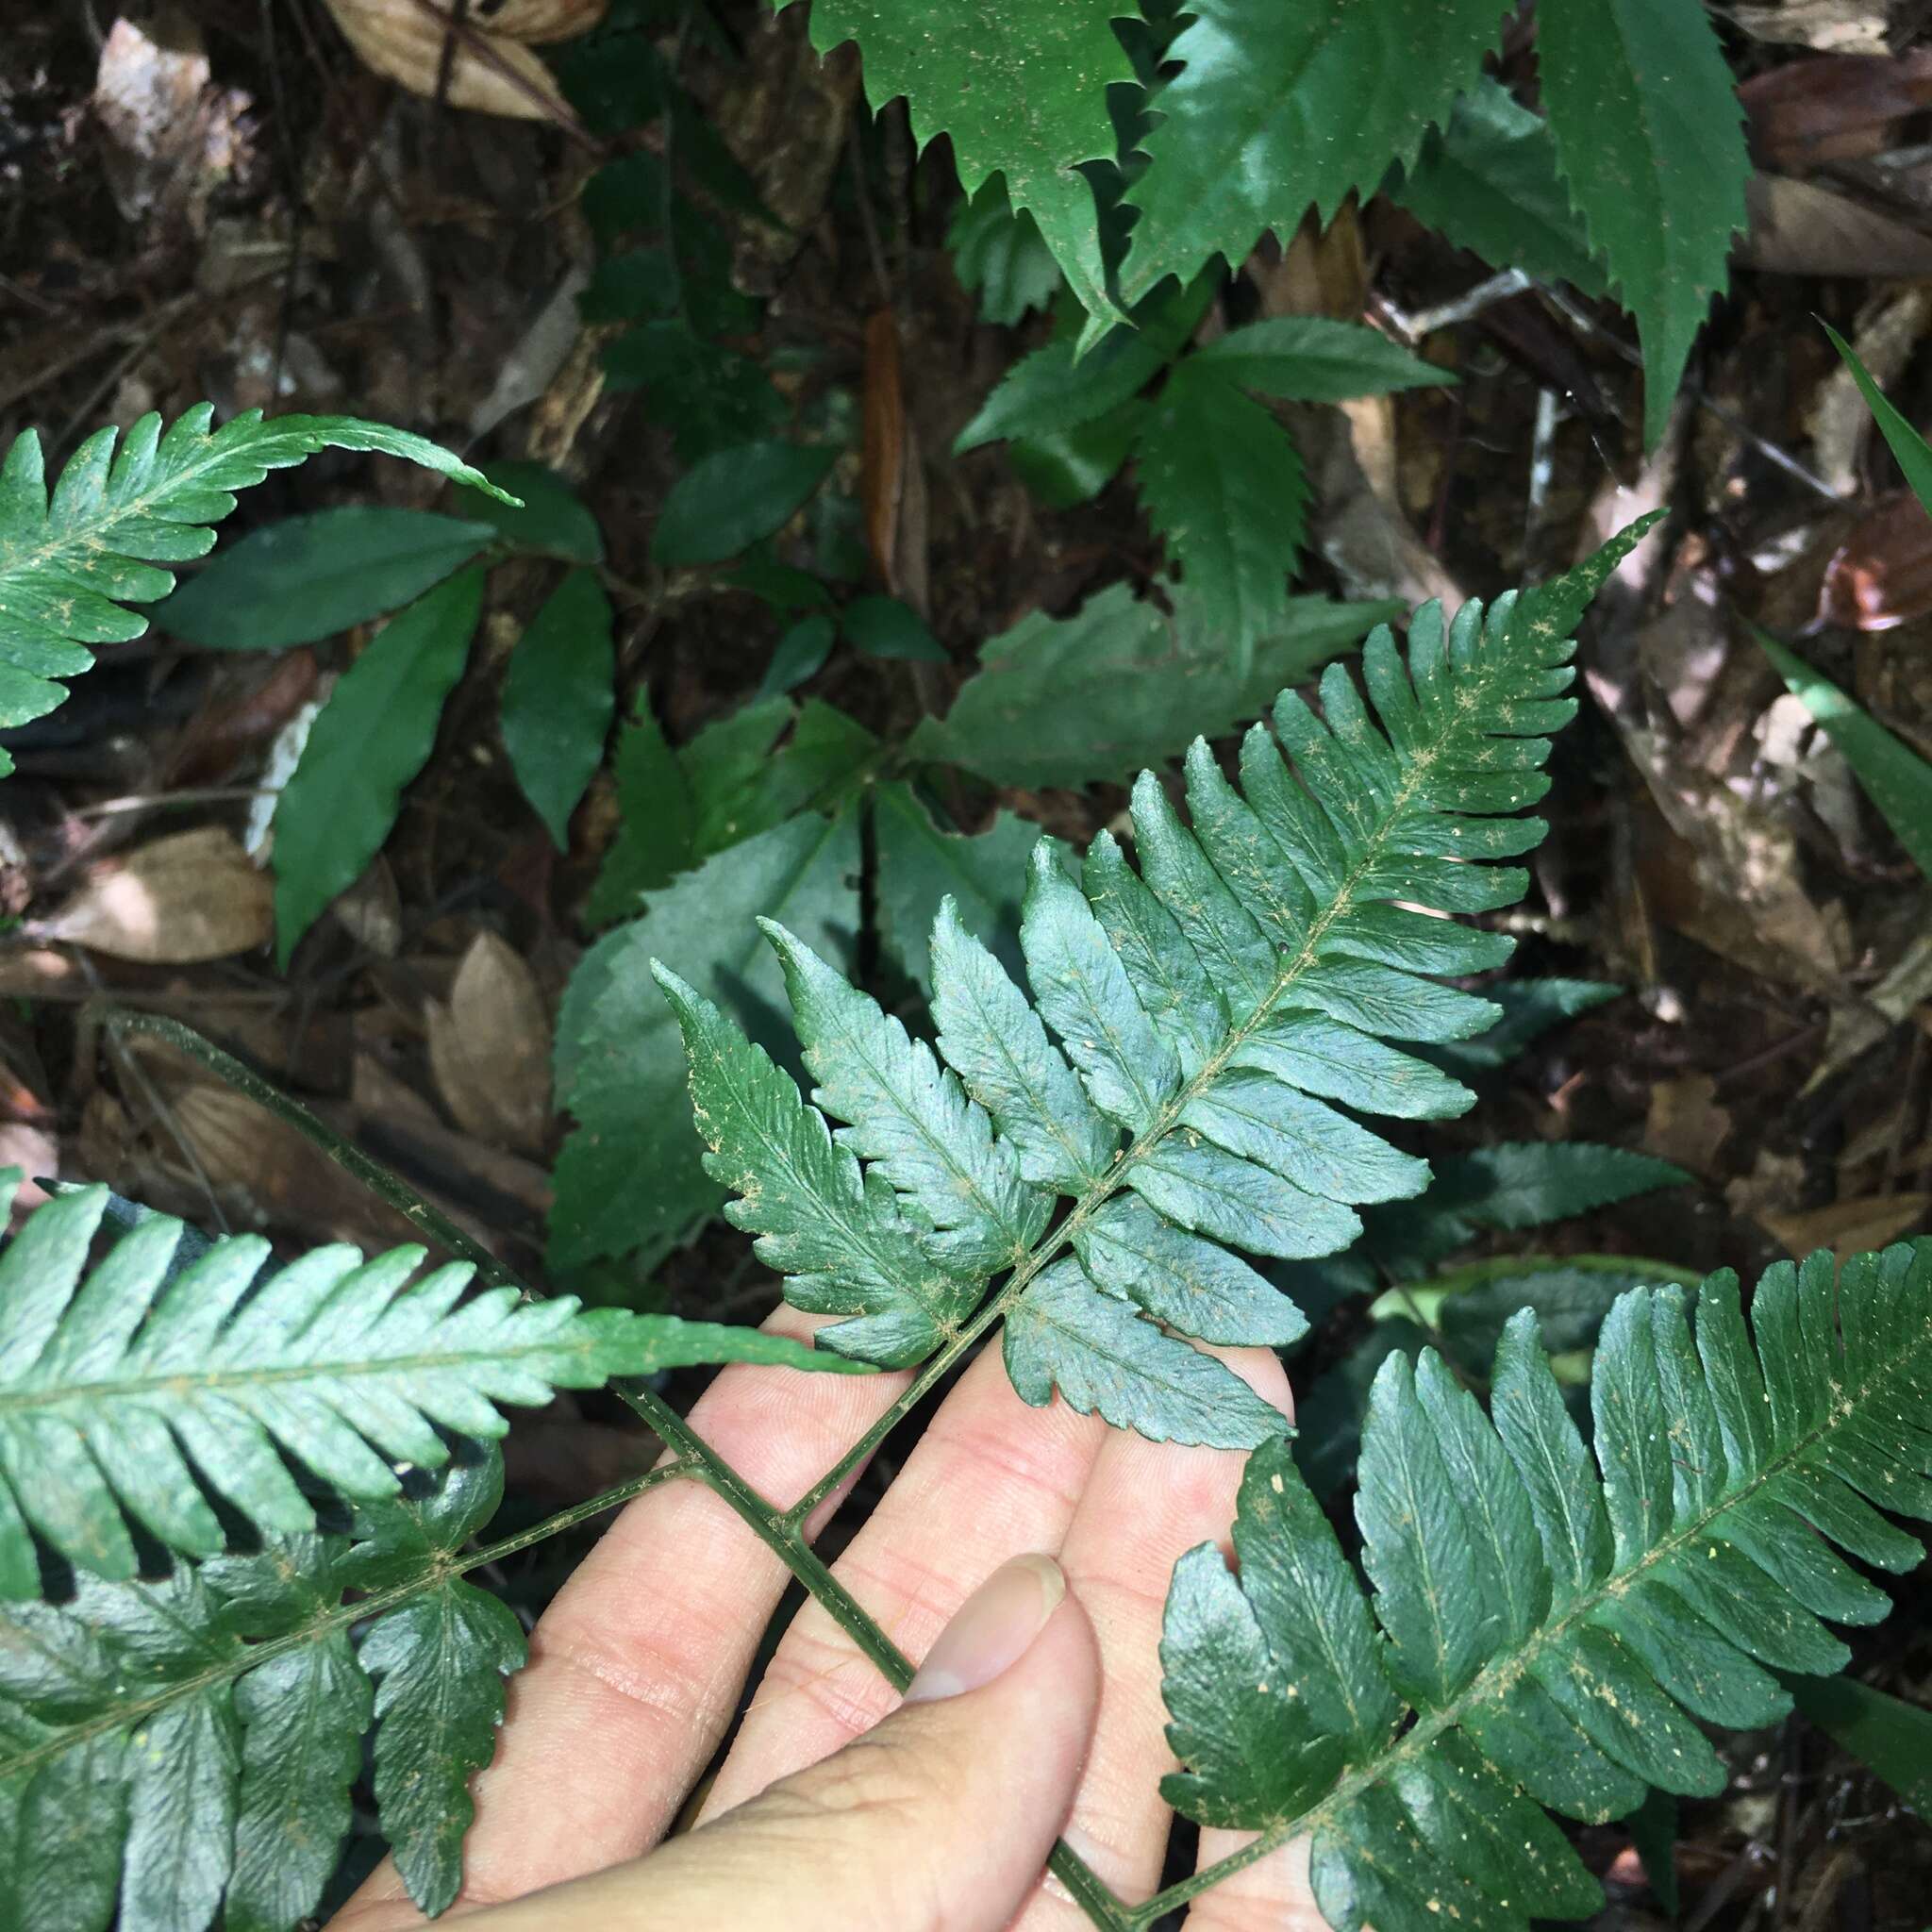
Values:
[(370, 740), (657, 820), (919, 864), (1895, 778), (629, 1178), (1905, 442), (167, 1748), (309, 576), (1545, 1664), (1487, 178), (1276, 108), (557, 700), (1209, 1003), (1103, 1357), (1119, 685), (1001, 256), (731, 499), (1310, 358), (800, 654), (1888, 1736), (1019, 85), (885, 627), (1224, 487), (550, 519), (1650, 140)]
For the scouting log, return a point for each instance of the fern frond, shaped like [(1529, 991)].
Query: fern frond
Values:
[(129, 1387), (72, 559), (1192, 1019), (170, 1748), (1547, 1633)]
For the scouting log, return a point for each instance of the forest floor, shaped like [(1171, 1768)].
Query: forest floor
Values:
[(1708, 852)]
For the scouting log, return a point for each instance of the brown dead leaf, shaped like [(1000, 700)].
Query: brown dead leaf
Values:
[(222, 731), (1830, 27), (1850, 1227), (171, 139), (1845, 107), (540, 22), (489, 74), (1881, 575), (1799, 228), (892, 480), (1684, 1124), (191, 896), (489, 1048)]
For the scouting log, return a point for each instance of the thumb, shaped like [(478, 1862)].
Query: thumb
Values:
[(943, 1816)]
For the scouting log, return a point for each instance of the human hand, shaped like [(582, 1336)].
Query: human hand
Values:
[(1037, 1712)]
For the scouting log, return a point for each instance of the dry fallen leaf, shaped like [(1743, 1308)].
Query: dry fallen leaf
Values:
[(540, 21), (1881, 575), (1832, 26), (1684, 1124), (489, 74), (1799, 228), (1844, 108), (191, 896), (1849, 1227), (489, 1048)]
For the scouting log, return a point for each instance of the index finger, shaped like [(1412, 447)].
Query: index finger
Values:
[(636, 1667)]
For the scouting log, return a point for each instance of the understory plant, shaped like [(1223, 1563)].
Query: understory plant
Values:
[(238, 1515)]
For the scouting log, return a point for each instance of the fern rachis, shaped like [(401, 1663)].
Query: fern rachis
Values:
[(1206, 999), (1718, 1459)]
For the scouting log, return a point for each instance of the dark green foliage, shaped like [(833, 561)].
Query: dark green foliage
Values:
[(172, 1747), (1553, 1629)]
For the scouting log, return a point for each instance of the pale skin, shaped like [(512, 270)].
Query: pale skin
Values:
[(836, 1810)]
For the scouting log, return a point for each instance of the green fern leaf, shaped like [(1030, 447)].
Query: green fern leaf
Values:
[(1552, 1630), (1276, 108), (1190, 1019), (1650, 140), (72, 560), (169, 1749), (125, 1388), (1020, 85)]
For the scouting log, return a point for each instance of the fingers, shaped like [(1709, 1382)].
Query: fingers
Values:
[(1146, 1504), (988, 1479), (635, 1668), (941, 1817), (1270, 1895)]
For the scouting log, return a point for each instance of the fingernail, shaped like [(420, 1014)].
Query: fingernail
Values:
[(992, 1629)]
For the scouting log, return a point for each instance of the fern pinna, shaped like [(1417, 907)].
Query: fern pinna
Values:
[(1546, 1633), (1212, 1003)]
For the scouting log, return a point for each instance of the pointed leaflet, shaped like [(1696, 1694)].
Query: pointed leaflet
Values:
[(303, 578), (1553, 1667), (1896, 779), (1224, 485), (71, 561), (910, 1117), (629, 1178), (132, 1387), (557, 701), (837, 1234), (1020, 87), (1104, 1359), (1487, 178), (207, 1729), (1254, 950), (371, 738), (1278, 106), (1649, 139), (1119, 685)]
